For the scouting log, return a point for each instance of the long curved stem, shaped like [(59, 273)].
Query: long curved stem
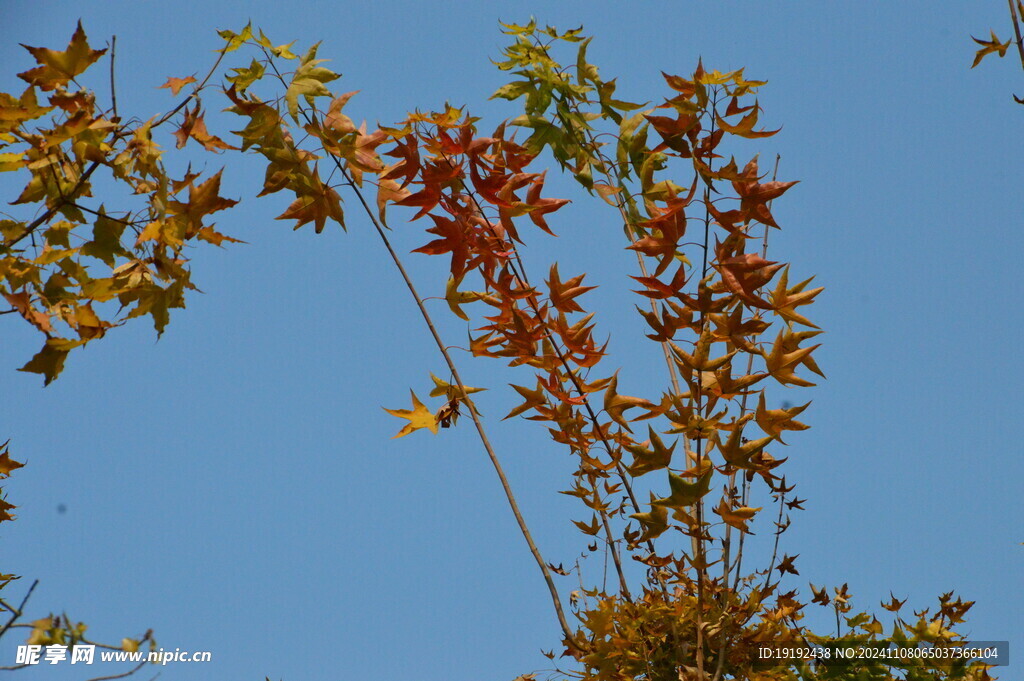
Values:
[(495, 462), (379, 226), (520, 274)]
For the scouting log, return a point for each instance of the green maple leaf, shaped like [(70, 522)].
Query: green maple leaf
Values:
[(308, 81), (655, 522), (685, 493)]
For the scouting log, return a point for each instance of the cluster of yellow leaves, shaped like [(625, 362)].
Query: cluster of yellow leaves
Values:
[(60, 630), (76, 269)]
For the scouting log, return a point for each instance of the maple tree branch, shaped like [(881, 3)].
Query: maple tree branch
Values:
[(127, 223), (590, 145), (633, 234), (589, 142), (379, 226), (113, 89), (778, 533), (520, 274), (698, 446), (146, 637), (495, 462), (727, 539), (195, 93), (15, 614), (119, 134), (51, 211), (1016, 30), (745, 485)]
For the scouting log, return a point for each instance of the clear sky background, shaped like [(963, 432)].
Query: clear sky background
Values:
[(234, 487)]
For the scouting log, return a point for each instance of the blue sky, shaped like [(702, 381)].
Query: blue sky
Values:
[(234, 487)]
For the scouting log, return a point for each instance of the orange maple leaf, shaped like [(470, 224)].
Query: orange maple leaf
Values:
[(562, 293), (175, 84)]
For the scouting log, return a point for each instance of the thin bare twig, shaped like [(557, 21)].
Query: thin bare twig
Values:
[(491, 454), (113, 89), (698, 441), (727, 539), (17, 613), (1016, 30), (520, 274), (195, 93), (120, 676), (380, 226), (778, 533), (743, 409)]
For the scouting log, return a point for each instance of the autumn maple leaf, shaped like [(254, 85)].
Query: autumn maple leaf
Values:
[(646, 460), (774, 421), (786, 355), (655, 522), (316, 205), (195, 127), (685, 493), (7, 464), (754, 197), (736, 517), (785, 300), (534, 399), (786, 565), (988, 47), (419, 417), (175, 84), (562, 293), (745, 128), (540, 207), (60, 67)]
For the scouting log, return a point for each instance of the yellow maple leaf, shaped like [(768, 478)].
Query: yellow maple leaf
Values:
[(988, 47), (419, 417), (736, 517)]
